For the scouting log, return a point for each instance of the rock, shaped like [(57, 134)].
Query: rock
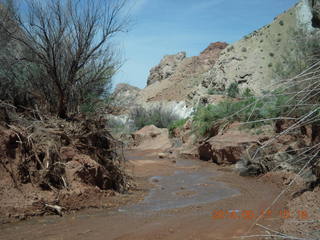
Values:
[(155, 180), (162, 155), (213, 50), (309, 176), (189, 152), (227, 148), (205, 151), (283, 161), (166, 67), (151, 137), (315, 9), (228, 154), (247, 168)]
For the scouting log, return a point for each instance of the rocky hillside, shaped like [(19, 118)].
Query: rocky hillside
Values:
[(179, 82), (169, 83), (177, 75), (252, 62), (125, 96), (166, 68)]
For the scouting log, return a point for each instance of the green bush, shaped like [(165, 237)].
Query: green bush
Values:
[(157, 116), (250, 109), (233, 90), (247, 93), (212, 91), (177, 124)]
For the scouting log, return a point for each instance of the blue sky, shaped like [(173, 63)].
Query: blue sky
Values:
[(161, 27)]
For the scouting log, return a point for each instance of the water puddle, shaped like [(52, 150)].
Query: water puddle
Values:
[(180, 190)]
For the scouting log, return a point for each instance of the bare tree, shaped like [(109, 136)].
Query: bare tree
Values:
[(69, 48), (11, 82)]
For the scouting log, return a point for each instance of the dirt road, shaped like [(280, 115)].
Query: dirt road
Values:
[(182, 199)]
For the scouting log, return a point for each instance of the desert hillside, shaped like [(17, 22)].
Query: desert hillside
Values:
[(252, 62)]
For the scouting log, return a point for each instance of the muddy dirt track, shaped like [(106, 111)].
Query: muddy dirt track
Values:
[(182, 199)]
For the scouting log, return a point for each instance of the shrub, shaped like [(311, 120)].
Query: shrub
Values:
[(250, 109), (247, 93), (94, 104), (177, 124), (212, 91), (205, 117), (233, 90), (157, 116), (229, 49)]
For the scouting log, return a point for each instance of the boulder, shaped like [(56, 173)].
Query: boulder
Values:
[(248, 168), (227, 148), (205, 151), (189, 152), (151, 138)]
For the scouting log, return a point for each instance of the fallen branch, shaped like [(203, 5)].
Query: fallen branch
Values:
[(55, 208)]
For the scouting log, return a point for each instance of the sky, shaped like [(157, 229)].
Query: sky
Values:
[(162, 27)]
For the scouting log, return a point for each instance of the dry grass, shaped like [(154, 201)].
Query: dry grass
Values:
[(303, 104)]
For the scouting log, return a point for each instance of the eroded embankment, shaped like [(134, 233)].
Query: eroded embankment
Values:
[(180, 200)]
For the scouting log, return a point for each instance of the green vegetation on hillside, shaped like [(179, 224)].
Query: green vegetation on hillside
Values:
[(252, 110)]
